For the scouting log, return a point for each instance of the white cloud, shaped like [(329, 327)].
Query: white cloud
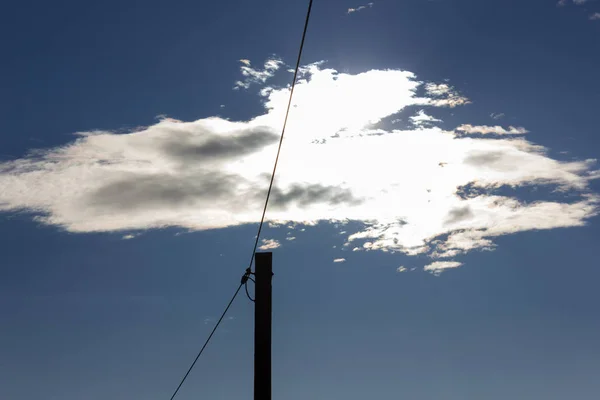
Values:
[(420, 191), (498, 130), (444, 95), (258, 76), (593, 17), (339, 260), (269, 244), (437, 89), (438, 267), (497, 115), (402, 269), (129, 236), (290, 238), (353, 10), (422, 119), (576, 2)]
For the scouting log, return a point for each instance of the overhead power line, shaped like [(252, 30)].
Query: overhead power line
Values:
[(244, 279), (287, 112), (246, 275)]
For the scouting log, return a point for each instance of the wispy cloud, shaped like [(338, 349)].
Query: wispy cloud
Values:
[(497, 115), (444, 95), (497, 130), (576, 2), (129, 236), (438, 267), (423, 190), (252, 75), (422, 119), (339, 260), (353, 10), (402, 269), (269, 244), (594, 17)]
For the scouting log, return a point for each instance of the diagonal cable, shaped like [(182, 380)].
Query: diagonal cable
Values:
[(262, 219), (209, 337), (287, 112)]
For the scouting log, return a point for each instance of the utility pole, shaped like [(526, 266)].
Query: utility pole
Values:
[(263, 273)]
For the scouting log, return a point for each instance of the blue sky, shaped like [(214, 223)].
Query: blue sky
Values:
[(445, 150)]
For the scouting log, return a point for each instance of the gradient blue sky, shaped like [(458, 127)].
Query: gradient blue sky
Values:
[(90, 315)]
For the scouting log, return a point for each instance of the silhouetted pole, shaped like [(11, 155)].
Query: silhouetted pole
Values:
[(263, 273)]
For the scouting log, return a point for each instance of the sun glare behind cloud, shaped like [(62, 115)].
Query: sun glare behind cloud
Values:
[(421, 189)]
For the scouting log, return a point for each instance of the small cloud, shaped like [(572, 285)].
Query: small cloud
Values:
[(497, 130), (445, 253), (562, 3), (252, 75), (444, 95), (353, 10), (402, 269), (438, 267), (166, 118), (290, 238), (269, 244), (593, 17), (339, 260), (422, 119), (130, 236), (497, 115)]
